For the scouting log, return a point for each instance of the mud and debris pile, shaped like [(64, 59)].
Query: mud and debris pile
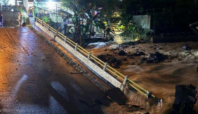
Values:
[(117, 58), (112, 61), (122, 53), (155, 57)]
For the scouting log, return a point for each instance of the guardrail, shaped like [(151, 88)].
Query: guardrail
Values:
[(119, 76)]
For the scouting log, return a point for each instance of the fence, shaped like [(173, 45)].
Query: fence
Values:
[(120, 77)]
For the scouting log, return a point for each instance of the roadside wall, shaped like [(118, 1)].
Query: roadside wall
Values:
[(91, 65)]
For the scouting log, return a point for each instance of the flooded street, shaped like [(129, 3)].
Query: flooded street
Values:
[(35, 79), (161, 79)]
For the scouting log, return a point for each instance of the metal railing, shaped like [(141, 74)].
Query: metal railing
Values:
[(119, 76)]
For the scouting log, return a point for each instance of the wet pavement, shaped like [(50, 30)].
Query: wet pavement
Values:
[(34, 79)]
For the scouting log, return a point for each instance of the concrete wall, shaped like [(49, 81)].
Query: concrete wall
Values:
[(143, 21), (92, 66)]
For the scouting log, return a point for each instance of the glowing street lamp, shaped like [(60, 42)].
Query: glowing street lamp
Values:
[(51, 5)]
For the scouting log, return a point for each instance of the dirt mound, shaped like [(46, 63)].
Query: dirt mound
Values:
[(112, 61), (155, 57)]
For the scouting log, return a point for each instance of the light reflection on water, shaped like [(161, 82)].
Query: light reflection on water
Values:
[(18, 85)]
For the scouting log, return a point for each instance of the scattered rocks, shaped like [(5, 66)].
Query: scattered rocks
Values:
[(122, 53), (143, 59), (115, 63), (102, 57), (156, 57), (111, 60), (138, 53)]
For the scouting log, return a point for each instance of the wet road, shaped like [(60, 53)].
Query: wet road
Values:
[(34, 79)]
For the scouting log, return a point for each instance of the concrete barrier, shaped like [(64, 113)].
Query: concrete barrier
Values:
[(92, 66)]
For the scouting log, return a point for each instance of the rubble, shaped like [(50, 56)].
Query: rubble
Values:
[(155, 57), (143, 59), (138, 53), (110, 60), (122, 53)]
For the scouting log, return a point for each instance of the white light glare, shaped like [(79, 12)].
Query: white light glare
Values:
[(51, 5)]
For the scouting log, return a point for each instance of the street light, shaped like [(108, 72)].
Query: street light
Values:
[(51, 4)]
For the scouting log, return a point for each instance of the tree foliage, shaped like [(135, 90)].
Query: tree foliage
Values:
[(84, 9)]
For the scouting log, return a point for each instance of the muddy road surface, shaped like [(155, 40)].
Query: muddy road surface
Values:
[(34, 79)]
